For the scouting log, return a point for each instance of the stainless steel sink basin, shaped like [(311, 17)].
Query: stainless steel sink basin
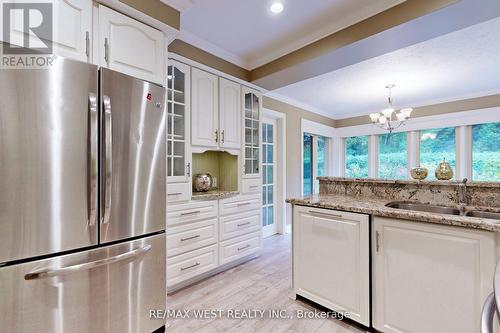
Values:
[(423, 207), (483, 214)]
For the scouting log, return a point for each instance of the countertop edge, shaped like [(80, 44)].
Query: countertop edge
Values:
[(433, 218)]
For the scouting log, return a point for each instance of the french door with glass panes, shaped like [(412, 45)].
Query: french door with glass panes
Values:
[(269, 225), (178, 123)]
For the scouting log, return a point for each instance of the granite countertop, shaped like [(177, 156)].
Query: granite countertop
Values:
[(213, 195), (376, 206)]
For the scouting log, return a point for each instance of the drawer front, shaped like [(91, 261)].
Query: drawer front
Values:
[(191, 236), (251, 185), (240, 247), (239, 204), (189, 265), (178, 192), (191, 211), (239, 224)]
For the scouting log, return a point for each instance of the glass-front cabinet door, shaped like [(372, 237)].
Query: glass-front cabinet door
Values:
[(252, 102), (178, 143)]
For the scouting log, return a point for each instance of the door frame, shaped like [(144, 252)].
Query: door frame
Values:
[(280, 167)]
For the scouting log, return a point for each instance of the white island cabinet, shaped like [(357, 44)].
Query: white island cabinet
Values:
[(331, 260), (430, 278)]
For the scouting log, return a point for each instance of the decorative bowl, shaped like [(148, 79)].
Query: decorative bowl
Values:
[(419, 173), (202, 182)]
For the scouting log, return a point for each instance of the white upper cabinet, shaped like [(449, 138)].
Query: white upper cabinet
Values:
[(430, 278), (178, 123), (205, 109), (71, 34), (252, 106), (230, 114), (130, 47), (73, 29)]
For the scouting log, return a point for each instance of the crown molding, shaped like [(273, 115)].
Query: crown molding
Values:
[(294, 102), (180, 5), (193, 63), (217, 51)]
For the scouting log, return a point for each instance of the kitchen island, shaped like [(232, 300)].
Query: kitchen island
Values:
[(397, 270)]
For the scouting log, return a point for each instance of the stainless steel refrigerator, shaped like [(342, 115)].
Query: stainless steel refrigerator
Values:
[(82, 200)]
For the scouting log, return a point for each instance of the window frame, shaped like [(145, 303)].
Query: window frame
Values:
[(462, 121), (317, 129)]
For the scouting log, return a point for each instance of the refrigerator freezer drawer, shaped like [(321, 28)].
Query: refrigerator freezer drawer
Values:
[(109, 289)]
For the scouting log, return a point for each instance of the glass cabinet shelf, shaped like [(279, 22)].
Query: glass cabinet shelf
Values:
[(177, 165), (251, 138)]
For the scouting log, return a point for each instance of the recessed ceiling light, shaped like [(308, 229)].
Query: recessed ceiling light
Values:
[(277, 7)]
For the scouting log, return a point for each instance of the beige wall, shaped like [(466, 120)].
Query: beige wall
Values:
[(294, 140), (157, 10), (191, 52), (477, 103)]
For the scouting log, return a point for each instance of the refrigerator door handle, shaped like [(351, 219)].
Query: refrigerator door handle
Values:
[(108, 149), (42, 274), (92, 186)]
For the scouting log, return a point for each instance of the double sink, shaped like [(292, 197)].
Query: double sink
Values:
[(443, 210)]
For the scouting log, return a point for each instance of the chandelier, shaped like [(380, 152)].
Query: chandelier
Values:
[(389, 119)]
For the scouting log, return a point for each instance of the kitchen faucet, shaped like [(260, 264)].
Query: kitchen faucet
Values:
[(462, 195)]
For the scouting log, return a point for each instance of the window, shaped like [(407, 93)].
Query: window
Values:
[(356, 157), (320, 160), (307, 160), (392, 156), (315, 162), (436, 144), (486, 152)]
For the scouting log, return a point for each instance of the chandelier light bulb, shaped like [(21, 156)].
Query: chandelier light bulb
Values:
[(388, 112), (374, 117), (390, 119)]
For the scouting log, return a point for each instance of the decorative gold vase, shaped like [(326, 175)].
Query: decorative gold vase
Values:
[(419, 173), (444, 171)]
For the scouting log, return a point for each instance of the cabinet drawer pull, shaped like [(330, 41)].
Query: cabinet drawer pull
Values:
[(176, 193), (244, 247), (242, 224), (313, 212), (189, 238), (253, 186), (377, 241), (243, 204), (191, 213), (192, 266)]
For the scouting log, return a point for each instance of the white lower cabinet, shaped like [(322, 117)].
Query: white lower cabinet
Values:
[(189, 265), (331, 260), (239, 247), (204, 235), (430, 278), (192, 236)]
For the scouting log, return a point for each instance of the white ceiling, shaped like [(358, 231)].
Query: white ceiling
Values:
[(245, 32), (462, 64)]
